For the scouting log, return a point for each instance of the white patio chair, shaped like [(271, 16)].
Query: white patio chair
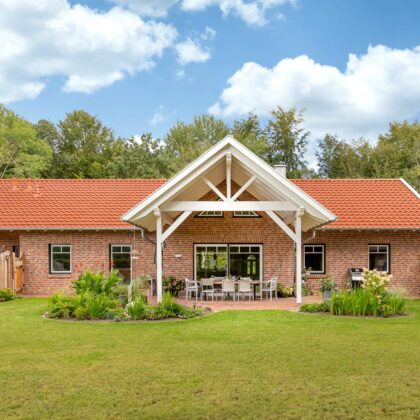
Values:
[(207, 288), (191, 286), (228, 286), (245, 288), (269, 287)]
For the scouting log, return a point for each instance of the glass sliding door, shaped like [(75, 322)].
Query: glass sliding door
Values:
[(210, 260), (219, 260), (245, 261)]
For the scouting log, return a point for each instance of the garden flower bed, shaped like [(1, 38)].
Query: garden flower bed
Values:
[(100, 297), (372, 299)]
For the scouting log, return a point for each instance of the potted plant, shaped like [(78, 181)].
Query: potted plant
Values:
[(328, 286)]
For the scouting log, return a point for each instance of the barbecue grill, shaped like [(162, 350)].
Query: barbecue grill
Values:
[(355, 277)]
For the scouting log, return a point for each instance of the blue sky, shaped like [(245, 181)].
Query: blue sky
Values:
[(152, 98)]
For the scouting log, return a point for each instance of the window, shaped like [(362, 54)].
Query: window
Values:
[(210, 260), (210, 214), (245, 261), (60, 259), (120, 259), (222, 259), (314, 256), (379, 258), (245, 214)]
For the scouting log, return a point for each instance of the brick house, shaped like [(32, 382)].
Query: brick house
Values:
[(226, 213)]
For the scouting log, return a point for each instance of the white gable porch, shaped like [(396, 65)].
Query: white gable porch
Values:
[(229, 163)]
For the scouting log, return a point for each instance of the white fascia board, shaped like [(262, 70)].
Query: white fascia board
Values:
[(172, 183), (263, 169), (410, 187), (267, 169)]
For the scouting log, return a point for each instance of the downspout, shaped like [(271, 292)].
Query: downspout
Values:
[(313, 234)]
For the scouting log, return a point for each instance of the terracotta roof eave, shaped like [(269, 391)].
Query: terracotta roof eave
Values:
[(370, 228), (69, 228)]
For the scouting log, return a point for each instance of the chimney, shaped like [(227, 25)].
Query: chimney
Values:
[(281, 169)]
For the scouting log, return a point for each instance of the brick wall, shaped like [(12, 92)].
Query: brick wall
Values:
[(90, 248), (7, 240), (343, 250)]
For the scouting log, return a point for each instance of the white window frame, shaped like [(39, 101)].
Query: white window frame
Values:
[(251, 214), (211, 213), (260, 246), (313, 252), (388, 266), (112, 253), (52, 271), (207, 245), (228, 246)]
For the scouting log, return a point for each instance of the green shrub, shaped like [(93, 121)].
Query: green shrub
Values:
[(136, 309), (97, 283), (168, 308), (96, 306), (375, 282), (328, 284), (6, 294), (62, 306), (172, 285), (363, 302), (284, 291), (315, 307), (138, 287), (121, 293), (396, 304)]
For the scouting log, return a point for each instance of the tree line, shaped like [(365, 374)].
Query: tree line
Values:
[(80, 146)]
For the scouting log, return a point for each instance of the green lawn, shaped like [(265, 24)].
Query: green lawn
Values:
[(244, 364)]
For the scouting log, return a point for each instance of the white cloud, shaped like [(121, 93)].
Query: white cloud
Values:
[(208, 34), (151, 8), (190, 51), (376, 88), (252, 12), (158, 117), (91, 49)]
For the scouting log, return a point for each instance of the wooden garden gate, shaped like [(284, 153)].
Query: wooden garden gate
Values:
[(11, 271)]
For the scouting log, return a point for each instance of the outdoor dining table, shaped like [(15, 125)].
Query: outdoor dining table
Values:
[(254, 283)]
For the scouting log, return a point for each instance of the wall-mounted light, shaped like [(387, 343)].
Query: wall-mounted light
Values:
[(135, 254), (178, 256)]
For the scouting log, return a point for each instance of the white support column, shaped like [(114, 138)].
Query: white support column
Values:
[(298, 233), (158, 254), (228, 176)]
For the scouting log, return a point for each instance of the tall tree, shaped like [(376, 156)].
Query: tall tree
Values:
[(250, 133), (140, 157), (22, 153), (84, 147), (186, 142), (339, 159), (329, 156), (397, 153), (287, 140), (47, 131)]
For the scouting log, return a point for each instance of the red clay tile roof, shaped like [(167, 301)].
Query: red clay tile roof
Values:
[(365, 203), (71, 203), (99, 204)]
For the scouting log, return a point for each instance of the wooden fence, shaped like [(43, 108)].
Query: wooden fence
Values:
[(11, 271)]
